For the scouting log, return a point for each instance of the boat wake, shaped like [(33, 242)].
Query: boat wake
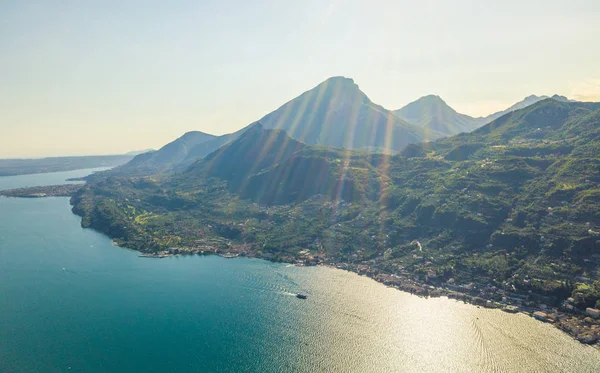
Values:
[(287, 293)]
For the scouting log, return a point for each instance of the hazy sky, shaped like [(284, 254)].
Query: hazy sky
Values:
[(100, 77)]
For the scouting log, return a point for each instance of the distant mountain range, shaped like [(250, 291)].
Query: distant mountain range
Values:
[(335, 113), (433, 113), (527, 101)]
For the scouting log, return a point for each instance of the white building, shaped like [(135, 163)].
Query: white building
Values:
[(592, 312)]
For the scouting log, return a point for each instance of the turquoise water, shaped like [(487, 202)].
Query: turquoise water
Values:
[(68, 298)]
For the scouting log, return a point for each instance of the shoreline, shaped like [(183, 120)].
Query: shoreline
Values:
[(62, 190), (577, 325)]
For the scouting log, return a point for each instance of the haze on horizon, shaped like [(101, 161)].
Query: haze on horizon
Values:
[(110, 77)]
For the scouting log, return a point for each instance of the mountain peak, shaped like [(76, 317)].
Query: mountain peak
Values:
[(527, 101), (339, 79), (557, 97), (337, 113), (429, 101), (192, 134), (341, 84), (431, 97), (532, 97), (434, 101), (435, 114)]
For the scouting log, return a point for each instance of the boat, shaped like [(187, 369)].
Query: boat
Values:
[(301, 296)]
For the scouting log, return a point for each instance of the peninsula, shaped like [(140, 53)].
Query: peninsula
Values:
[(11, 167), (66, 190)]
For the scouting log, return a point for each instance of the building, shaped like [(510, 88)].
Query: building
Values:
[(593, 312), (542, 316)]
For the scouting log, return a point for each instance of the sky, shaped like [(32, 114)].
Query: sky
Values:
[(107, 77)]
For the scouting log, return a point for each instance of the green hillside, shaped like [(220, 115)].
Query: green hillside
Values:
[(513, 204)]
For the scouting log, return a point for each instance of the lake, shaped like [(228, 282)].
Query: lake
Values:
[(71, 301), (53, 178)]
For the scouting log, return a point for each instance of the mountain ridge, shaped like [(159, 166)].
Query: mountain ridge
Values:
[(432, 112), (337, 113), (334, 113), (269, 166), (168, 156)]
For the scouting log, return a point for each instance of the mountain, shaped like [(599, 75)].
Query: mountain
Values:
[(546, 123), (254, 151), (562, 98), (205, 148), (548, 127), (527, 101), (513, 204), (138, 152), (433, 113), (337, 113), (166, 157), (268, 166)]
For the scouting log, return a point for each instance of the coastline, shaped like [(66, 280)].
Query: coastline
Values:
[(575, 323), (63, 190), (579, 326)]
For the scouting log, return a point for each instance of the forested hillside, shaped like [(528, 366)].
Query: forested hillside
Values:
[(515, 203)]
